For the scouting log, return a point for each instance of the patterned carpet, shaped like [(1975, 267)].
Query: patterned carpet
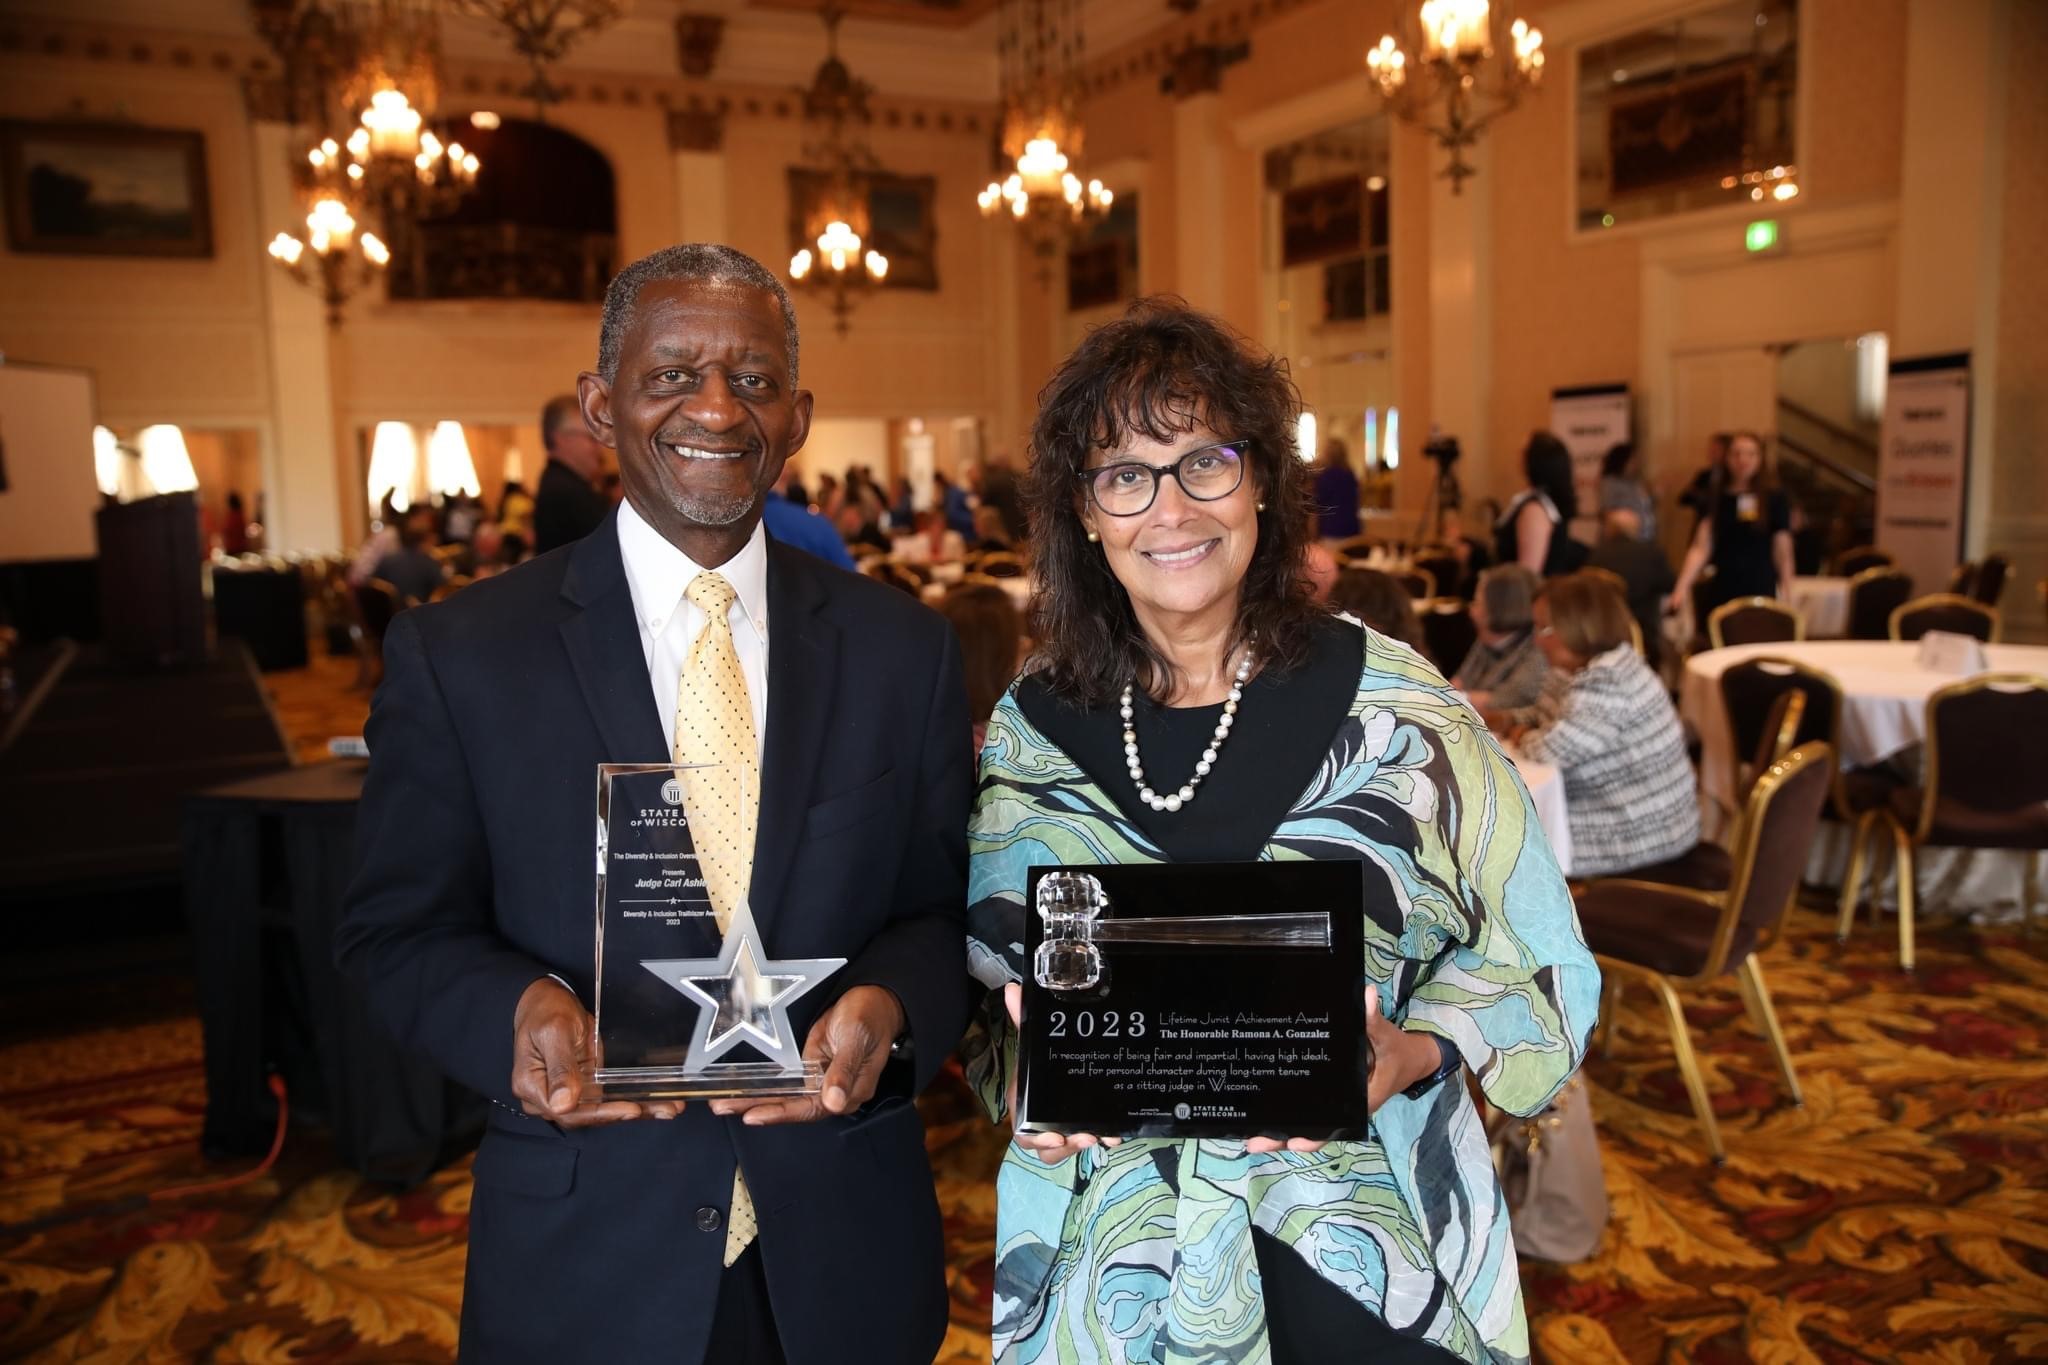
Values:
[(1901, 1215)]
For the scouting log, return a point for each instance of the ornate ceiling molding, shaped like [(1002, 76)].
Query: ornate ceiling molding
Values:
[(1161, 53), (697, 129), (697, 39), (467, 84)]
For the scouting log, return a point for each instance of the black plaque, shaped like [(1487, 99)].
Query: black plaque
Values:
[(1208, 1039)]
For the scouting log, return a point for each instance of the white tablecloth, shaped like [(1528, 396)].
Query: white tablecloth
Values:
[(1546, 788), (1884, 698), (1823, 602)]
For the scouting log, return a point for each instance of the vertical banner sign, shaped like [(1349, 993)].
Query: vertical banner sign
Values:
[(1590, 420), (1922, 466)]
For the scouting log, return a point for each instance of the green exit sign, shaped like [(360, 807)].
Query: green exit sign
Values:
[(1761, 235)]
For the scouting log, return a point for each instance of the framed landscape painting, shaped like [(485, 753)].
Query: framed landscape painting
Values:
[(85, 189)]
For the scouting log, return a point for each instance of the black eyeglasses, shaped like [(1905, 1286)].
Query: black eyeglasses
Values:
[(1129, 487)]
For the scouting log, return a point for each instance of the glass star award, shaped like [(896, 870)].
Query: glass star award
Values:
[(683, 1011)]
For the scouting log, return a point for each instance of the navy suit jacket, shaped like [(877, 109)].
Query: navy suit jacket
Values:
[(476, 877)]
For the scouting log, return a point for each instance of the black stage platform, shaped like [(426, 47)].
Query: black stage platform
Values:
[(93, 779)]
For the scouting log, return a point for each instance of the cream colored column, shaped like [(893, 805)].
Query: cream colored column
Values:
[(1460, 326), (697, 140), (1198, 200), (1951, 219), (1010, 382), (301, 475)]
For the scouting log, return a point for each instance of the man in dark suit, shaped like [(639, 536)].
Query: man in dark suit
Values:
[(567, 505), (620, 1231)]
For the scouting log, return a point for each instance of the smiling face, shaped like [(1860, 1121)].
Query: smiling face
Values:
[(1180, 558), (1745, 461), (702, 412)]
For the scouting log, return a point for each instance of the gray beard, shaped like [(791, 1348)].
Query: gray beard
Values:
[(713, 512)]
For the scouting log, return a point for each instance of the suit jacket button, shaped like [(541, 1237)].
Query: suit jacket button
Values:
[(709, 1219)]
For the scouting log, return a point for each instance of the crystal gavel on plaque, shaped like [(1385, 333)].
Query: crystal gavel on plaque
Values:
[(1076, 924)]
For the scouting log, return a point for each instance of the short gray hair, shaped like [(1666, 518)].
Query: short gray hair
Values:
[(1509, 592), (693, 263)]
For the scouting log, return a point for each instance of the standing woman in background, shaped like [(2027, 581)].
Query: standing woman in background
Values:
[(1533, 531), (1746, 535), (1336, 493)]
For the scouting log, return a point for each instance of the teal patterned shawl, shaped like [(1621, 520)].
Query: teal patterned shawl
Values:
[(1144, 1252)]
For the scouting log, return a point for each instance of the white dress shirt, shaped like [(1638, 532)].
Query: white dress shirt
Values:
[(658, 574)]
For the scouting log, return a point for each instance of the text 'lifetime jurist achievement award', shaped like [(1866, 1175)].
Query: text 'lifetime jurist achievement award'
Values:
[(1195, 1000)]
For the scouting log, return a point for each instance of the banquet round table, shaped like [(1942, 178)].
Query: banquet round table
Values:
[(1884, 696), (1884, 713), (1546, 789)]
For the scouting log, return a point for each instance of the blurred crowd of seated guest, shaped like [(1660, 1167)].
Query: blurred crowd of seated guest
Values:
[(1505, 669), (932, 541), (515, 510), (410, 565), (1381, 602), (424, 548), (1611, 731), (991, 640)]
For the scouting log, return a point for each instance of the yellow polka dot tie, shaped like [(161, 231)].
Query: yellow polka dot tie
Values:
[(715, 725)]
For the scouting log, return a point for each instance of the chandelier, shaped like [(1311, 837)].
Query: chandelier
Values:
[(840, 267), (1471, 63), (1039, 43), (386, 166), (342, 259), (543, 31)]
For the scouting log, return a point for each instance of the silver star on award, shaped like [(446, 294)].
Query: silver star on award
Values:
[(742, 996)]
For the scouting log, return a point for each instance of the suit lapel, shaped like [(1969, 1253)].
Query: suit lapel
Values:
[(604, 647), (803, 658)]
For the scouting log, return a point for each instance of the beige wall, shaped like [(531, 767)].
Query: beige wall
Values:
[(1570, 304), (167, 340)]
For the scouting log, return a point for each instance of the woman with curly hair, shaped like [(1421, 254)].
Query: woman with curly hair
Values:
[(1189, 701)]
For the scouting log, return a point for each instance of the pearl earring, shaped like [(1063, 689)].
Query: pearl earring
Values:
[(1262, 505), (1092, 537)]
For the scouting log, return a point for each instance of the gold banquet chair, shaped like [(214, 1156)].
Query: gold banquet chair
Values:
[(1947, 611), (1851, 562), (1671, 937), (1754, 621), (1986, 776)]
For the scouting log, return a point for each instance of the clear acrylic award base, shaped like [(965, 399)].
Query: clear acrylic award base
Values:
[(726, 1080)]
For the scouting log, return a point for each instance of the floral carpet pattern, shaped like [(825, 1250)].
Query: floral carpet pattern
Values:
[(1900, 1215)]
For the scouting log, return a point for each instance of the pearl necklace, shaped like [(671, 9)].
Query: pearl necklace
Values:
[(1175, 800)]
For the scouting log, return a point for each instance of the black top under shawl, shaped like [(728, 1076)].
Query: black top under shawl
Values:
[(1283, 730)]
